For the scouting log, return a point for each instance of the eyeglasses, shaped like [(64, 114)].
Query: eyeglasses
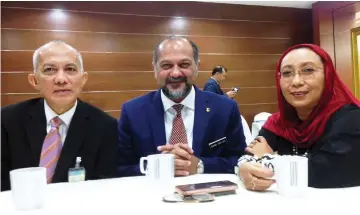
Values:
[(304, 73)]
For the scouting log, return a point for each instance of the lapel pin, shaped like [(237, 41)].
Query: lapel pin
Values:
[(207, 109)]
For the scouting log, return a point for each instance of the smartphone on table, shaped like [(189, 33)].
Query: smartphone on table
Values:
[(206, 187)]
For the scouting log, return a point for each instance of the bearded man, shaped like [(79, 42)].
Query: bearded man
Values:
[(203, 130)]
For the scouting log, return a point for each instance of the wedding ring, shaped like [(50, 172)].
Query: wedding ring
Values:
[(253, 182)]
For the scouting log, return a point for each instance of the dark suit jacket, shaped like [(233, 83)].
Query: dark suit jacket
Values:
[(212, 86), (142, 129), (92, 135)]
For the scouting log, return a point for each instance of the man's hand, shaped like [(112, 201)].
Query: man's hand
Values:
[(259, 147), (254, 176), (185, 161), (231, 94), (179, 150), (193, 165)]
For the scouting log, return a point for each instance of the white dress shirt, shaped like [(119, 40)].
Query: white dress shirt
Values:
[(65, 117), (187, 114)]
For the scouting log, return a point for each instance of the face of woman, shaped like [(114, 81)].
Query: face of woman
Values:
[(302, 78)]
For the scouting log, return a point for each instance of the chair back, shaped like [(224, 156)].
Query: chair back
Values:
[(247, 132), (259, 121)]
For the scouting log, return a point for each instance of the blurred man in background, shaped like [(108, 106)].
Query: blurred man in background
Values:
[(218, 75)]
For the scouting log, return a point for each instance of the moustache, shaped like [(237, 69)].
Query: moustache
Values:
[(176, 80)]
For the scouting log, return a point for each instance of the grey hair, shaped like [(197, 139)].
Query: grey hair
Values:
[(174, 37), (37, 53)]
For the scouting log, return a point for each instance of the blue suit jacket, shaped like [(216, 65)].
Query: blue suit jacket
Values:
[(212, 86), (142, 128)]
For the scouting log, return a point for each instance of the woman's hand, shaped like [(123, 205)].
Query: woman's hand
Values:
[(259, 147), (254, 176)]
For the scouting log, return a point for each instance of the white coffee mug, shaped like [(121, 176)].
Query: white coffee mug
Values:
[(291, 175), (28, 187), (159, 166)]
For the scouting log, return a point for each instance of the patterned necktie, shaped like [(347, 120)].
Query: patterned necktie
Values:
[(51, 149), (178, 133)]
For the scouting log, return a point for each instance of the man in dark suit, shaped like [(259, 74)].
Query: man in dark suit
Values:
[(218, 75), (53, 131), (203, 130)]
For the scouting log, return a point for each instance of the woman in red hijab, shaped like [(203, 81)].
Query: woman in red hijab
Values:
[(318, 117)]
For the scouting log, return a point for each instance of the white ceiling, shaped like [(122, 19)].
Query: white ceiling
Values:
[(295, 4)]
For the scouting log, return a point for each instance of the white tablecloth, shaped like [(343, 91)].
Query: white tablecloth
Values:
[(135, 194)]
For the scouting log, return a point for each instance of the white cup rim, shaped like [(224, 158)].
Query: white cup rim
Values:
[(161, 155), (292, 158), (27, 170)]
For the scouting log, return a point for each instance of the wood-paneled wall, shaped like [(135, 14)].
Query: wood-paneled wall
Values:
[(332, 24), (116, 40)]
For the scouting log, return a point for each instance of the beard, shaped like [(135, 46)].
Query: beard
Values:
[(176, 95)]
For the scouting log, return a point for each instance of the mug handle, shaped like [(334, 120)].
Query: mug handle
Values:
[(142, 169)]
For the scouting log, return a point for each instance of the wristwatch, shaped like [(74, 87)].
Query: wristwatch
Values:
[(200, 167)]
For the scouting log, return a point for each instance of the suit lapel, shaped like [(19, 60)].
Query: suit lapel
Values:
[(156, 118), (220, 90), (74, 140), (218, 86), (202, 115), (35, 126)]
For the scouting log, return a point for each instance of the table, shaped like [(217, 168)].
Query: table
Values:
[(135, 194)]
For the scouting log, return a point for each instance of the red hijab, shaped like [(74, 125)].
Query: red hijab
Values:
[(286, 123)]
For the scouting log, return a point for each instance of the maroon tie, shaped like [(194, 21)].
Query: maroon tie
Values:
[(178, 132)]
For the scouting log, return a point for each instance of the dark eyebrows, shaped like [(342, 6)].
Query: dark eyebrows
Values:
[(164, 62), (185, 61)]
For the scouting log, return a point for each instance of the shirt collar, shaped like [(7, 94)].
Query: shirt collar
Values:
[(215, 80), (188, 102), (65, 117)]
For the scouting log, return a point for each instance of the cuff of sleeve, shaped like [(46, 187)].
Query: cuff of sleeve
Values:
[(247, 158), (200, 167), (244, 159)]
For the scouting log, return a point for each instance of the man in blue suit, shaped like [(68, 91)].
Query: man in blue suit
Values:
[(203, 130), (218, 75)]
